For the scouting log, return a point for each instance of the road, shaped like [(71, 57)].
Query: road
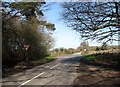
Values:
[(61, 71)]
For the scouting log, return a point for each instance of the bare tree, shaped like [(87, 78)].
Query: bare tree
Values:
[(93, 20)]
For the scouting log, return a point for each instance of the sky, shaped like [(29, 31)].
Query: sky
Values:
[(64, 36)]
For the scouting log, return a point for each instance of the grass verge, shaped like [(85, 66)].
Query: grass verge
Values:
[(22, 66), (90, 57), (105, 60), (42, 61)]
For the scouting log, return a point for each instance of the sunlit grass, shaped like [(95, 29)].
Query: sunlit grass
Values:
[(50, 58), (90, 57), (43, 60)]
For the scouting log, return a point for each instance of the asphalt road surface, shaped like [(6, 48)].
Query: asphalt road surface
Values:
[(61, 71)]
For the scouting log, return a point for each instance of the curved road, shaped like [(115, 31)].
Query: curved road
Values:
[(61, 71)]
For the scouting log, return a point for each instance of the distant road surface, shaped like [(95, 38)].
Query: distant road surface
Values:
[(61, 71)]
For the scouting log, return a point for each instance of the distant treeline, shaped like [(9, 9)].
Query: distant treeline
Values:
[(86, 49)]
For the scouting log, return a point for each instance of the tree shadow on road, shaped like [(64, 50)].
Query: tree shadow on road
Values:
[(72, 60)]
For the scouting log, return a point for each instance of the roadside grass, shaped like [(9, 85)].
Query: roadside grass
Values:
[(43, 60), (22, 66), (61, 54), (104, 60), (50, 58), (90, 57)]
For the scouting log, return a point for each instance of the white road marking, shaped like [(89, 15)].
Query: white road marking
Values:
[(54, 66), (31, 79), (36, 76)]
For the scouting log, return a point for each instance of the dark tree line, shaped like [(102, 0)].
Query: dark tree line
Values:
[(23, 24)]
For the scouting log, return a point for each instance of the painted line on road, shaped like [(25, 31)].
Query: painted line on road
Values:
[(31, 79), (55, 66), (36, 76)]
